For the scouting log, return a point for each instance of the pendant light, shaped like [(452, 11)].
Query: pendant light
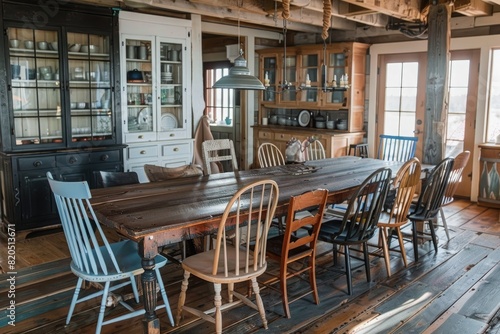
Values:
[(239, 76)]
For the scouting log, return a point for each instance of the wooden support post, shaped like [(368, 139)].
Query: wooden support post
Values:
[(438, 55)]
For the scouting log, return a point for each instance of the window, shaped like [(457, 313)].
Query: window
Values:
[(493, 125), (401, 98), (219, 102)]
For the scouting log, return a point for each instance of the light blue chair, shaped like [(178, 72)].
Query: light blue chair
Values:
[(94, 259), (396, 148)]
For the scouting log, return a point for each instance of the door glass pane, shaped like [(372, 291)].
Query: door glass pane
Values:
[(140, 78), (36, 90), (171, 84), (400, 98), (89, 68), (457, 106)]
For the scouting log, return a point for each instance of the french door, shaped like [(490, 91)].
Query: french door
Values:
[(401, 102)]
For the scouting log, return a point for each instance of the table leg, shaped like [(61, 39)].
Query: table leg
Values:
[(151, 322)]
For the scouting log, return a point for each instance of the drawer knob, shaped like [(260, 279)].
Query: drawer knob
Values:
[(72, 160), (104, 157), (37, 163), (143, 152), (176, 149), (172, 135), (140, 136)]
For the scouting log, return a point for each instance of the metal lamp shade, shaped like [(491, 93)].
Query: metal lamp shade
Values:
[(239, 77)]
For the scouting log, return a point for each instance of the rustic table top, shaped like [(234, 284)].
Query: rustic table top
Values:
[(161, 213)]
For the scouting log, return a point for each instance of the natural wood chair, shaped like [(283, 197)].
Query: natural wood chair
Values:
[(297, 243), (429, 203), (159, 173), (242, 257), (216, 151), (359, 221), (314, 149), (94, 259), (105, 179), (455, 179), (396, 148), (269, 155), (405, 184)]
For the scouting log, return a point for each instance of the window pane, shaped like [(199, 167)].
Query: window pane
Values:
[(456, 127), (393, 75), (391, 123), (494, 103), (408, 99), (410, 75), (459, 73), (392, 99), (458, 100)]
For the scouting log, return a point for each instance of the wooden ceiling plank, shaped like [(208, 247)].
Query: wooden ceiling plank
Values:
[(408, 10)]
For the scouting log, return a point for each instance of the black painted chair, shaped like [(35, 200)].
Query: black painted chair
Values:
[(112, 179), (359, 222), (429, 203)]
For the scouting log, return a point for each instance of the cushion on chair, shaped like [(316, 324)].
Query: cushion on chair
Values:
[(159, 173)]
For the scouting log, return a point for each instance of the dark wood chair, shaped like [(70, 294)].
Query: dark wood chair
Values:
[(359, 150), (396, 148), (298, 243), (455, 179), (112, 179), (429, 203), (359, 221)]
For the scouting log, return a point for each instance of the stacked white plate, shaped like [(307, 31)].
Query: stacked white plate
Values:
[(166, 77)]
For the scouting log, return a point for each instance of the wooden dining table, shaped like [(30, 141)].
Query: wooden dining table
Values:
[(161, 213)]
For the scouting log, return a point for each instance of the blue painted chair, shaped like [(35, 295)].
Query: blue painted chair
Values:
[(396, 148), (94, 259)]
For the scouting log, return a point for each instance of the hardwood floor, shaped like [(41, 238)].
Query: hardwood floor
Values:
[(452, 291)]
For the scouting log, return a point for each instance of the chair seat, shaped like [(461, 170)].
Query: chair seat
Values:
[(275, 246), (200, 265), (129, 261)]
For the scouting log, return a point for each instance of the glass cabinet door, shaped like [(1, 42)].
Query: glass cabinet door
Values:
[(35, 86), (336, 78), (89, 65), (269, 69), (140, 76), (289, 80), (171, 93), (310, 80)]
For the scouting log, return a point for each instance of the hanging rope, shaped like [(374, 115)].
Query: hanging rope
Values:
[(286, 9), (327, 15)]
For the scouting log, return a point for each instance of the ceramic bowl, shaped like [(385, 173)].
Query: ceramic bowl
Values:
[(54, 46), (330, 124), (29, 44), (73, 105), (320, 124), (42, 45), (81, 105), (342, 126), (273, 119), (89, 48), (282, 120), (45, 69), (74, 47), (14, 43)]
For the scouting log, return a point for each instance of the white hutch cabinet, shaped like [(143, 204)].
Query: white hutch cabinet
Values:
[(155, 66)]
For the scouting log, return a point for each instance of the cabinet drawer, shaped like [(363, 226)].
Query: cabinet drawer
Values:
[(490, 153), (105, 156), (139, 137), (142, 152), (265, 135), (170, 135), (281, 136), (73, 159), (176, 149), (36, 163)]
